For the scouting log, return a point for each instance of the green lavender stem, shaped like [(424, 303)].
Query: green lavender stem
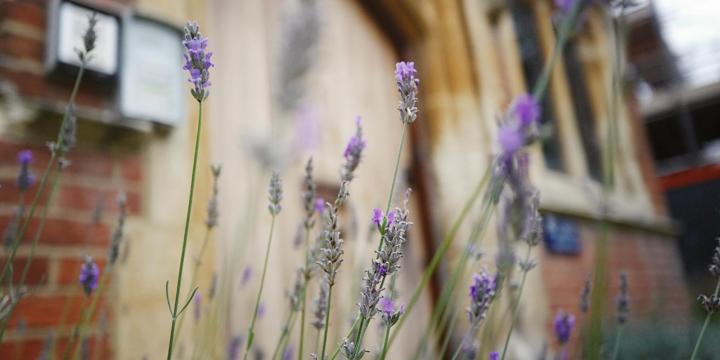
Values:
[(304, 294), (284, 334), (251, 330), (704, 327), (327, 322), (397, 166), (517, 305), (43, 179), (185, 236), (618, 338), (385, 343), (197, 263)]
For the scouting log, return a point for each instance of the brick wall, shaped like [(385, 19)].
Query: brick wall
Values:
[(99, 169), (657, 287)]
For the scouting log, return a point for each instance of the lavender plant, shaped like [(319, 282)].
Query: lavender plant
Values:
[(58, 151), (197, 63), (274, 197), (711, 303), (482, 293), (563, 326)]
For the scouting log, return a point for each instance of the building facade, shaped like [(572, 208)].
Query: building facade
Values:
[(473, 58)]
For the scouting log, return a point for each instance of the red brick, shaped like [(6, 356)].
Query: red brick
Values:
[(24, 11), (85, 162), (64, 232), (48, 311), (86, 198), (33, 348), (21, 47), (37, 272), (69, 270), (131, 168), (9, 193)]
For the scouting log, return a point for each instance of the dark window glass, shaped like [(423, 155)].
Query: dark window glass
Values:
[(584, 115), (532, 64)]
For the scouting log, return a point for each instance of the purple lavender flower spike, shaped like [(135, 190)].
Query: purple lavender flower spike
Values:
[(482, 292), (25, 179), (563, 326), (407, 84), (493, 355), (197, 61), (89, 275), (377, 217), (527, 110), (353, 152)]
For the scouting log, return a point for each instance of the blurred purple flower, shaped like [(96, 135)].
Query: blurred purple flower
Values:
[(261, 310), (563, 326), (197, 305), (246, 276), (391, 218), (319, 205), (482, 292), (89, 275), (527, 110), (25, 179), (493, 355), (307, 128), (233, 352), (389, 311), (288, 353), (510, 138), (353, 152), (197, 61)]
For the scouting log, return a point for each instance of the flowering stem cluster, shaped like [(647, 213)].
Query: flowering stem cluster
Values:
[(712, 302)]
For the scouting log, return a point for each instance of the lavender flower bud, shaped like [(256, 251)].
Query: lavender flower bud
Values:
[(407, 84), (89, 276), (532, 229), (377, 217), (510, 138), (89, 38), (351, 351), (246, 275), (319, 205), (493, 355), (288, 353), (213, 212), (197, 61), (320, 307), (309, 195), (330, 253), (469, 350), (623, 299), (585, 296), (711, 303), (563, 326), (296, 292), (12, 228), (482, 292), (715, 262), (275, 194), (118, 233), (353, 152), (68, 130), (213, 286), (25, 179)]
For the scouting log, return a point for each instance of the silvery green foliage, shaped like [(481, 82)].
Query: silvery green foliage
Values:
[(350, 352), (119, 228), (532, 229), (623, 299), (213, 212), (275, 194), (715, 262)]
